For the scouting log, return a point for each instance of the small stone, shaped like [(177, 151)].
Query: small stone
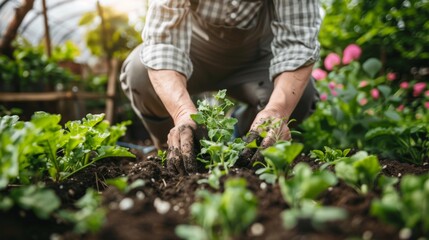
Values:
[(257, 229), (176, 208), (55, 236), (405, 233), (140, 195), (263, 186), (126, 203), (367, 235), (71, 192), (61, 186), (399, 174), (152, 180), (162, 207), (330, 189), (384, 166)]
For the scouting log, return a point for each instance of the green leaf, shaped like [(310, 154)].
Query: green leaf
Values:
[(42, 201), (372, 66), (191, 232)]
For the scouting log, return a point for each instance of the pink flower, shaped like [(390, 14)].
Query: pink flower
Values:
[(418, 88), (323, 97), (400, 108), (319, 74), (340, 86), (331, 85), (363, 83), (350, 53), (427, 105), (427, 93), (363, 101), (391, 76), (331, 61), (334, 93), (404, 85), (375, 94)]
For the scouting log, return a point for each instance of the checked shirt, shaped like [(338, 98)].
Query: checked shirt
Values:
[(168, 31)]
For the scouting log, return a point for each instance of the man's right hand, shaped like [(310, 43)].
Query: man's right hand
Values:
[(181, 158)]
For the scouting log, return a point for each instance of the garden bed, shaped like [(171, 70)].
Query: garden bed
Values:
[(138, 217)]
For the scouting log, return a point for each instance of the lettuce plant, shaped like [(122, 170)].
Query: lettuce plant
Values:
[(221, 216), (329, 155)]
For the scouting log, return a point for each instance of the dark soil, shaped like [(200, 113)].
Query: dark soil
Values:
[(143, 221)]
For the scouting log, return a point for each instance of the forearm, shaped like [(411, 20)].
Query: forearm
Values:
[(288, 90), (170, 86)]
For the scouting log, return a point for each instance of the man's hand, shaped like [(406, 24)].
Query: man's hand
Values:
[(267, 128), (181, 152)]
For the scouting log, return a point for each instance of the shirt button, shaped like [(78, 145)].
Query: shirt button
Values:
[(234, 3), (233, 15)]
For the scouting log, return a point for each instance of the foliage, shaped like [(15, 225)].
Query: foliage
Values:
[(393, 30), (42, 201), (301, 190), (31, 70), (278, 160), (329, 155), (405, 142), (223, 152), (89, 216), (121, 35), (41, 147), (66, 52), (408, 207), (221, 216), (356, 98), (121, 183), (360, 171)]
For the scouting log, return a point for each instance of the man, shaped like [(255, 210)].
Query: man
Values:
[(261, 51)]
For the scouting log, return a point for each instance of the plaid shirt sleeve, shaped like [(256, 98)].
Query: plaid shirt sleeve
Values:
[(167, 36), (296, 29)]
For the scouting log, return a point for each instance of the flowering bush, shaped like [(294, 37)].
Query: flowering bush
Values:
[(356, 97)]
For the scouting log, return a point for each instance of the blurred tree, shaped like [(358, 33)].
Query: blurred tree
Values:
[(109, 34), (396, 31)]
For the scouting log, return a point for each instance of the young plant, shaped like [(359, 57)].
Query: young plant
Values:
[(406, 208), (33, 149), (278, 159), (410, 143), (360, 171), (329, 156), (223, 152), (89, 216), (300, 192), (221, 216)]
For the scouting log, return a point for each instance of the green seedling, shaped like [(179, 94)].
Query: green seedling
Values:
[(360, 171), (221, 150), (221, 216), (278, 160), (300, 192), (89, 217), (329, 155), (121, 183), (406, 208)]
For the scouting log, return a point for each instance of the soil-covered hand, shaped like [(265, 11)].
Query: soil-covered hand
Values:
[(181, 148), (267, 128)]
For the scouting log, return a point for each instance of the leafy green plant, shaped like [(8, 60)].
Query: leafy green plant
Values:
[(278, 160), (408, 207), (410, 143), (360, 171), (221, 216), (329, 155), (221, 150), (89, 216), (41, 147), (37, 198), (300, 192)]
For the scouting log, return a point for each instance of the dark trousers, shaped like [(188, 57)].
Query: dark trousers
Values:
[(223, 58)]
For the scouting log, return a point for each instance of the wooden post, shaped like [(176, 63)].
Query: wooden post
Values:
[(111, 91), (46, 25)]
